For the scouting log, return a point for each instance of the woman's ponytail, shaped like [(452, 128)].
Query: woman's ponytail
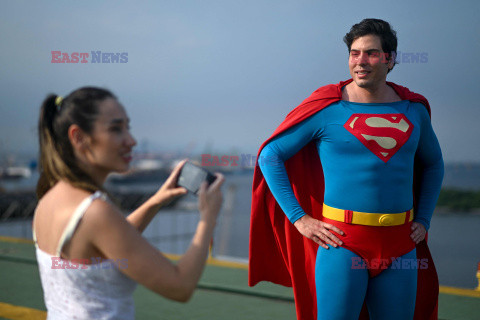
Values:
[(57, 158), (48, 152)]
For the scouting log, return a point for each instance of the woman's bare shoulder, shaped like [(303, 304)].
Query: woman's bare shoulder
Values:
[(62, 194), (55, 209)]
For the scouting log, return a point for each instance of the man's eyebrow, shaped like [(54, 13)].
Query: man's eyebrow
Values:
[(369, 50), (119, 121)]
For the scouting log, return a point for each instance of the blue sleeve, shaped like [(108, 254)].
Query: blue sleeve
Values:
[(429, 157), (276, 152)]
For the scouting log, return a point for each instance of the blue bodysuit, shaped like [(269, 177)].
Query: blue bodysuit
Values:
[(367, 152)]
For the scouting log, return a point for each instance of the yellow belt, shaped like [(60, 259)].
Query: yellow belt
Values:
[(367, 218)]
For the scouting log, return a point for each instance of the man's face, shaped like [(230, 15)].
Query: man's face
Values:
[(367, 62)]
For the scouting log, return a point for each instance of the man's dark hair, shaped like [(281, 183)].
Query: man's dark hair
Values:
[(380, 28)]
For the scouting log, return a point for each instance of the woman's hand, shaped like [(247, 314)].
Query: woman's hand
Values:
[(318, 231), (169, 190), (210, 199)]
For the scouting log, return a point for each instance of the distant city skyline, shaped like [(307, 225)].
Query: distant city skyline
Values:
[(217, 76)]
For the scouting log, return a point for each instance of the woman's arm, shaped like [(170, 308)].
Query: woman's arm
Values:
[(110, 233), (144, 214)]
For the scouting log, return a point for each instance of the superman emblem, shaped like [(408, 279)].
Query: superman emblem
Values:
[(383, 134)]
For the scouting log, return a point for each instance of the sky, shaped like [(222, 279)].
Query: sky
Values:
[(219, 76)]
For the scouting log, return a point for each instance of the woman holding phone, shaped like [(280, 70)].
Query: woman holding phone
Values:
[(83, 138)]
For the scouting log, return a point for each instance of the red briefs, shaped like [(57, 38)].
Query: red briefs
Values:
[(378, 246)]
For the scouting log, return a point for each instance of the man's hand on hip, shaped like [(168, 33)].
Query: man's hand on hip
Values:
[(418, 232), (318, 231)]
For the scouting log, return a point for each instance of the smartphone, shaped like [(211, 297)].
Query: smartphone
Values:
[(191, 177)]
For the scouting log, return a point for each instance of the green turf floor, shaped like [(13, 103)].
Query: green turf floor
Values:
[(223, 294)]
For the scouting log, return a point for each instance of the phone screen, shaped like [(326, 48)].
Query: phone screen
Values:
[(191, 177)]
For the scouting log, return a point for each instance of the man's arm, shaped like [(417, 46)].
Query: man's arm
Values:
[(429, 158), (271, 162)]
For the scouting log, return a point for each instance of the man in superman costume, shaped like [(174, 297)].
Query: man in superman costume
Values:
[(357, 169)]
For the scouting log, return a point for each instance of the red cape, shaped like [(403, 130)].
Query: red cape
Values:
[(279, 253)]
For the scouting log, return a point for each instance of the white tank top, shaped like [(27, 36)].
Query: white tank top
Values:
[(96, 291)]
